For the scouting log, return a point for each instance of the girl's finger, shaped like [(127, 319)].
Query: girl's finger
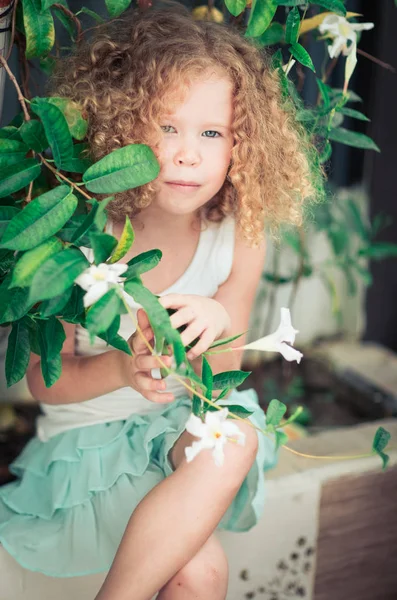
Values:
[(192, 332), (174, 300), (182, 316), (146, 383), (159, 398), (145, 362), (205, 342), (142, 318), (138, 345)]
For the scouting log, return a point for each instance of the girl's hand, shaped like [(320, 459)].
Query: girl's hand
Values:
[(205, 318), (137, 368)]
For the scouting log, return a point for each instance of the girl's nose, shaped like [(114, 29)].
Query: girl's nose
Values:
[(188, 156)]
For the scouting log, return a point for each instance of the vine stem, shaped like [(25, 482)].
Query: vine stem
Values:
[(59, 174), (21, 97), (188, 387)]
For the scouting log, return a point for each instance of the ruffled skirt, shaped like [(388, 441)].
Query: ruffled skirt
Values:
[(66, 513)]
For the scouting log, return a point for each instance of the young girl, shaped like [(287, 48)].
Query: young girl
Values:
[(109, 456)]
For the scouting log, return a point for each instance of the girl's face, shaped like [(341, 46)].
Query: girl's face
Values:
[(195, 149)]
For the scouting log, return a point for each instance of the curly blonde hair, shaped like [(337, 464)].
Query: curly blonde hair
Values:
[(125, 77)]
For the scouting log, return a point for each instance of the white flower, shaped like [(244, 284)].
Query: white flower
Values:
[(279, 340), (343, 32), (288, 66), (97, 280), (214, 434)]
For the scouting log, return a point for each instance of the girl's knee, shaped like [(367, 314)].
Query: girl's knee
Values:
[(246, 454), (206, 574)]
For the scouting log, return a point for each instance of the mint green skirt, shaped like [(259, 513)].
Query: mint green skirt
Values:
[(66, 513)]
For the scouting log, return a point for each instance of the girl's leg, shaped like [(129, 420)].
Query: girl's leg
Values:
[(204, 577), (176, 518)]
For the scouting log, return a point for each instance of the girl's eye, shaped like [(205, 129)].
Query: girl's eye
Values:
[(211, 134), (167, 128)]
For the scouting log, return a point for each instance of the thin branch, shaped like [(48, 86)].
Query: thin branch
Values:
[(376, 60), (75, 20), (298, 278), (56, 172), (21, 97)]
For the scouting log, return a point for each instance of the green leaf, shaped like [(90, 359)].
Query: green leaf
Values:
[(74, 310), (57, 274), (354, 114), (87, 224), (235, 7), (31, 260), (226, 340), (158, 317), (16, 176), (275, 412), (55, 305), (381, 439), (230, 379), (13, 147), (281, 439), (262, 13), (142, 263), (325, 92), (379, 251), (112, 338), (116, 7), (92, 14), (236, 409), (364, 273), (79, 163), (352, 138), (222, 394), (40, 219), (207, 377), (338, 235), (125, 242), (51, 337), (47, 64), (10, 132), (39, 29), (6, 214), (66, 21), (274, 34), (56, 130), (102, 314), (14, 303), (102, 245), (292, 26), (33, 134), (122, 169), (18, 352), (302, 55), (77, 124), (335, 6), (357, 220)]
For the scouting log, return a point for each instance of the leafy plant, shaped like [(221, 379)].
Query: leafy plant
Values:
[(48, 214)]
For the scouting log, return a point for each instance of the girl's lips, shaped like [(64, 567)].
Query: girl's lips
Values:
[(183, 186)]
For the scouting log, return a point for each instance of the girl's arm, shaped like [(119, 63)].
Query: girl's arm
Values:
[(237, 296), (82, 378)]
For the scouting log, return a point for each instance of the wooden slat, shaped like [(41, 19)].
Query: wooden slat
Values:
[(357, 543)]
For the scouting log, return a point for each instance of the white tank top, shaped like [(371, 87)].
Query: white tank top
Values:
[(209, 268)]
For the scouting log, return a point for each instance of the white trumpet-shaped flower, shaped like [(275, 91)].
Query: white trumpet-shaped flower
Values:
[(279, 341), (344, 35), (288, 66), (214, 432), (98, 279)]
